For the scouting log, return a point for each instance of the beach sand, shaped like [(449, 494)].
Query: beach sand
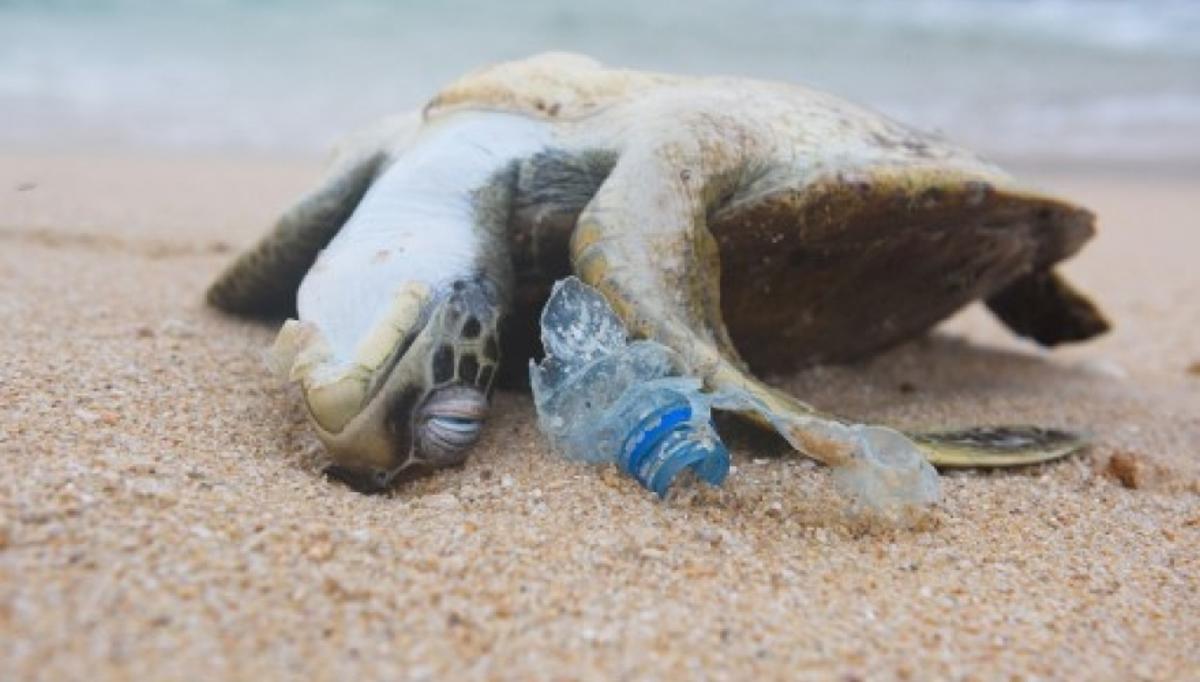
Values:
[(163, 516)]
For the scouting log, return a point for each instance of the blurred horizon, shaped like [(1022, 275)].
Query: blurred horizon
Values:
[(1080, 80)]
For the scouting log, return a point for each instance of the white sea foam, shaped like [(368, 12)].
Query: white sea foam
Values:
[(1073, 78)]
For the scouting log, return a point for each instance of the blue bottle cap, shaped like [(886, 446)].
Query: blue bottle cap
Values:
[(663, 444)]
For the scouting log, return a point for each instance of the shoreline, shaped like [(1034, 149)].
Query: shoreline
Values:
[(1173, 167)]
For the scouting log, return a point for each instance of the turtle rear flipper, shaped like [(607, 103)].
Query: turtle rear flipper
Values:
[(262, 282), (997, 446), (1044, 307)]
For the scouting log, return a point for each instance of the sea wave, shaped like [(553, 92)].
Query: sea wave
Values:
[(1050, 78)]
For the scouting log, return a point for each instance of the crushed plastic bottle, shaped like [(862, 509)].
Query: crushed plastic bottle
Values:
[(602, 398)]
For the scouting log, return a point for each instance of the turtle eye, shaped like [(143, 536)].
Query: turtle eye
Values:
[(450, 422)]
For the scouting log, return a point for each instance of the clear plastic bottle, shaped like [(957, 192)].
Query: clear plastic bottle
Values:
[(603, 398)]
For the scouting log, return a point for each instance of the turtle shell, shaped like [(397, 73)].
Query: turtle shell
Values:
[(553, 85), (851, 264)]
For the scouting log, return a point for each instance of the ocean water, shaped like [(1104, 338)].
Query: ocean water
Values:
[(1053, 79)]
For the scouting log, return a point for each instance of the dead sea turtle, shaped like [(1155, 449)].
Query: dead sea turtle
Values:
[(750, 226)]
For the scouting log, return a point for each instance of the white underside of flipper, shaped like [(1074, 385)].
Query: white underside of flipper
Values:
[(414, 231)]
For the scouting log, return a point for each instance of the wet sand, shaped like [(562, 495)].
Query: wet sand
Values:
[(162, 514)]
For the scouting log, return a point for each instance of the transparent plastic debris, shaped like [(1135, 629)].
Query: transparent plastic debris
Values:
[(880, 469), (602, 398), (884, 471), (888, 473)]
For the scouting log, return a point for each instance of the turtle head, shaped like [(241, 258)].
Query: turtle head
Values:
[(414, 395)]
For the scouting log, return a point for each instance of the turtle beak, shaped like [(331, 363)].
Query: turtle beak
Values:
[(362, 480), (436, 434), (378, 440)]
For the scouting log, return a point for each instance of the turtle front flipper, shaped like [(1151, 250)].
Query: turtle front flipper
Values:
[(643, 242), (997, 446), (262, 282)]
